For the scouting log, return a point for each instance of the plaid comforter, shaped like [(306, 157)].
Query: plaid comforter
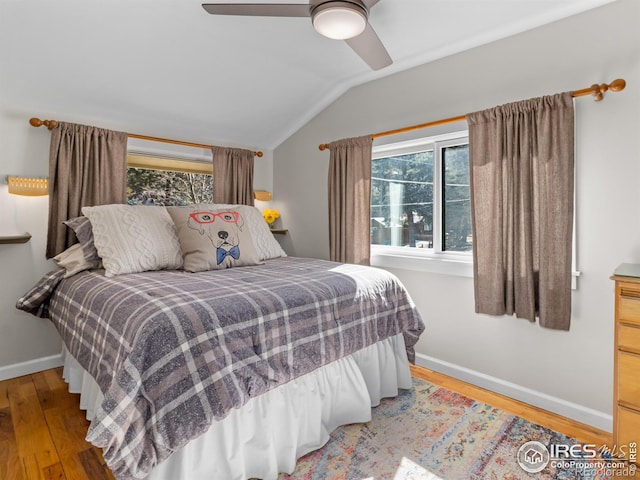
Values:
[(174, 351)]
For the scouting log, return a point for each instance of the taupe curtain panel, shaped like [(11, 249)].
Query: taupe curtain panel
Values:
[(232, 175), (87, 166), (522, 180), (350, 200)]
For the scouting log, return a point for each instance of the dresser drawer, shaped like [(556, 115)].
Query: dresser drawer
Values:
[(629, 379), (628, 424), (629, 306), (629, 338)]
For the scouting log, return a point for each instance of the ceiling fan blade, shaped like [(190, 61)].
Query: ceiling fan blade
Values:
[(369, 47), (369, 3), (258, 9)]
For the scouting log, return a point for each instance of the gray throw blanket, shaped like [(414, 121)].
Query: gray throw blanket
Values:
[(174, 351)]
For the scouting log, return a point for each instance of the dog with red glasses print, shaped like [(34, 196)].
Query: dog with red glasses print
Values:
[(223, 230)]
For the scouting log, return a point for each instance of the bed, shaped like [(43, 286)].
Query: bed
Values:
[(227, 373)]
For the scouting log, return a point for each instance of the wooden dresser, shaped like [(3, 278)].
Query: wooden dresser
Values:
[(626, 392)]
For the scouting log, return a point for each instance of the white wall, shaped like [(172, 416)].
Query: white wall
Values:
[(28, 343), (543, 366), (23, 337)]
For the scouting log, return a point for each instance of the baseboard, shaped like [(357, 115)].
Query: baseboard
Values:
[(30, 366), (556, 405)]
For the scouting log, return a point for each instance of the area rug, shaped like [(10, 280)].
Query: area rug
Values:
[(431, 433)]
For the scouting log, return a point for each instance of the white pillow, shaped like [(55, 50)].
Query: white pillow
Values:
[(134, 238), (263, 240)]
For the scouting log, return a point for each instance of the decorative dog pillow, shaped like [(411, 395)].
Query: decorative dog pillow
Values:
[(212, 238)]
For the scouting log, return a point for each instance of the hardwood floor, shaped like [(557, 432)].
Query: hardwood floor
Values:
[(42, 432), (42, 429)]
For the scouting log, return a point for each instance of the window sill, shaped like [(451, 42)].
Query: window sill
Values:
[(446, 264), (459, 265)]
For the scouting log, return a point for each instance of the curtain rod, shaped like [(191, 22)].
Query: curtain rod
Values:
[(596, 90), (51, 124)]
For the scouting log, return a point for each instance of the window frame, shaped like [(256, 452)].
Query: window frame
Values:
[(169, 164), (433, 259), (430, 260)]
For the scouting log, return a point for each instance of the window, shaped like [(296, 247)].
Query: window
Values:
[(164, 181), (421, 206), (420, 200)]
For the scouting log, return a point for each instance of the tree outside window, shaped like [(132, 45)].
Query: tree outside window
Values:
[(158, 187)]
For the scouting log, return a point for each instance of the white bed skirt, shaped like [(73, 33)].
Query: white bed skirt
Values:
[(270, 432)]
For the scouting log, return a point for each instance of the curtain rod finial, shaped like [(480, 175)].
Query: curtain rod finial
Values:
[(323, 146), (598, 90), (36, 122), (617, 85)]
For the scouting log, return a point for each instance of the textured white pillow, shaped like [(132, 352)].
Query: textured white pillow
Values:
[(263, 240), (134, 238)]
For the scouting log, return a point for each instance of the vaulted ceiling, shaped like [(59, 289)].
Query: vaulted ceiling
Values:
[(167, 68)]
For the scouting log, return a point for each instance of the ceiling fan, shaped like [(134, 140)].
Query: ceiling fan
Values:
[(342, 20)]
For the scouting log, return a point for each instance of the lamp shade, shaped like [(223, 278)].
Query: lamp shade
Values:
[(339, 20), (31, 187)]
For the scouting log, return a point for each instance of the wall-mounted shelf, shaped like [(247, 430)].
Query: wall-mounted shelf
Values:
[(279, 231), (23, 238)]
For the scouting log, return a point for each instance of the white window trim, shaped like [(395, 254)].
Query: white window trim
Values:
[(432, 260), (447, 263), (458, 264)]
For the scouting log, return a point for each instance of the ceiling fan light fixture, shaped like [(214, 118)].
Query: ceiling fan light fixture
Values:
[(339, 20)]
